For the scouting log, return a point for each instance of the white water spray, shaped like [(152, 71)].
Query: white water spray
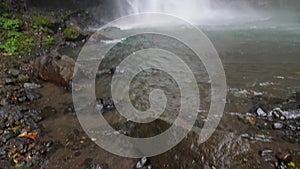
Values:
[(200, 12)]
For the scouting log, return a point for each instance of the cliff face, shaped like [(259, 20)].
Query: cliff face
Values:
[(65, 4)]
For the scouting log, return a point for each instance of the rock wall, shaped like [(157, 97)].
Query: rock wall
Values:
[(65, 4)]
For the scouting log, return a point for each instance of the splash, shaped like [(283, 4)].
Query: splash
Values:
[(200, 12)]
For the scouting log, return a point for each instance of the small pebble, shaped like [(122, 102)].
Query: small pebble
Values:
[(31, 86), (278, 126), (261, 113)]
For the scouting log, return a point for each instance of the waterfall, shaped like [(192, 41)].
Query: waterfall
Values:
[(195, 11)]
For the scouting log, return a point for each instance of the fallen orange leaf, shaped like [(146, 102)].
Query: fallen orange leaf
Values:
[(24, 133), (32, 135)]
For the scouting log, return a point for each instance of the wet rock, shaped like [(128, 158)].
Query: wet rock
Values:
[(8, 81), (284, 157), (141, 163), (32, 96), (55, 68), (263, 138), (281, 165), (23, 78), (22, 99), (293, 128), (74, 33), (98, 166), (5, 164), (267, 155), (21, 132), (30, 86), (14, 72), (108, 103), (34, 114), (2, 152), (290, 114), (245, 135), (99, 106), (69, 109), (298, 97), (104, 104), (20, 164), (52, 23), (6, 137), (3, 102), (261, 113), (278, 126), (82, 19), (266, 152)]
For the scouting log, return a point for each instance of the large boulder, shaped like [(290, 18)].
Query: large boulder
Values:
[(55, 68)]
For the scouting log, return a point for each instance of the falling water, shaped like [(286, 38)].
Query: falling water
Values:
[(195, 11)]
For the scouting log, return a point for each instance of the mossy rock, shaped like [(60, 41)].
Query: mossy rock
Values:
[(73, 33), (47, 21), (40, 21)]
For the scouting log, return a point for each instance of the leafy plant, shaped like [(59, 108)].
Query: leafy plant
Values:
[(17, 43), (11, 24), (49, 41)]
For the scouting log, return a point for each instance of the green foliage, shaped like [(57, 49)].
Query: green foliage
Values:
[(17, 43), (26, 17), (11, 24), (50, 41), (22, 33)]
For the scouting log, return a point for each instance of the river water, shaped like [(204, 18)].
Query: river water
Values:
[(260, 59)]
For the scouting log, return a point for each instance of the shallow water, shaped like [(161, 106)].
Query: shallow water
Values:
[(258, 58)]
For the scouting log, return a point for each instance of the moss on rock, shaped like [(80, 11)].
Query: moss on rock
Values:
[(73, 33)]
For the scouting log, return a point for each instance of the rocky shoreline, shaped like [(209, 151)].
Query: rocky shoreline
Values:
[(25, 37)]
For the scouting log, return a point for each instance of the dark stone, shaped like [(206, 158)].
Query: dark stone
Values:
[(32, 96), (22, 99), (87, 163), (14, 72), (6, 137), (142, 162), (3, 102), (284, 157), (108, 103), (2, 152), (8, 81), (298, 98)]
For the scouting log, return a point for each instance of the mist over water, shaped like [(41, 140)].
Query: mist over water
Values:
[(199, 12)]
